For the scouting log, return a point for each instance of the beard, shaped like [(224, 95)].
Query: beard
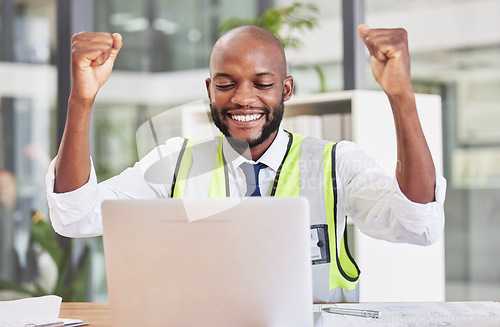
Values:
[(273, 121)]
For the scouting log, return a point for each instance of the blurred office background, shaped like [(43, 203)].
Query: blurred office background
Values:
[(455, 49)]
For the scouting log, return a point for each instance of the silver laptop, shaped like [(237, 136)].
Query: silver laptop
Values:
[(209, 262)]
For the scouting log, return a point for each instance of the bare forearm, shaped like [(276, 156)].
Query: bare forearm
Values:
[(390, 63), (92, 58), (415, 171), (73, 160)]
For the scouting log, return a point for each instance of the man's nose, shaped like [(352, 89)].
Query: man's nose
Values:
[(244, 95)]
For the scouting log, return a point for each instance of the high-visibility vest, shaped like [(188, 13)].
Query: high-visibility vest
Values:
[(306, 170)]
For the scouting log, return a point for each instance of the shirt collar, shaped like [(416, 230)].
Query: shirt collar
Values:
[(272, 157)]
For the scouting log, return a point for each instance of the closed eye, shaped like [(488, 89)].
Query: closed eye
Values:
[(264, 86), (223, 86)]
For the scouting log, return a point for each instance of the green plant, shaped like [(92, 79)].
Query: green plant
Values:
[(72, 280), (282, 22)]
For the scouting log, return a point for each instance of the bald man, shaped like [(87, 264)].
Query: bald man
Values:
[(247, 88)]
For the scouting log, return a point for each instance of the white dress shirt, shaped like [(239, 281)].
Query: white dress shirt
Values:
[(366, 194)]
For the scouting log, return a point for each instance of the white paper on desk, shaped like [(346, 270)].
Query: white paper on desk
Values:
[(34, 310), (424, 314), (44, 306)]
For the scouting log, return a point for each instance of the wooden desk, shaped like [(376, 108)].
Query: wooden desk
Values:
[(97, 314)]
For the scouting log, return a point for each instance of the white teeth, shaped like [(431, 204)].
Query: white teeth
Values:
[(246, 117)]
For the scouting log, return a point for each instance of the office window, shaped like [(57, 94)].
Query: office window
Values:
[(455, 54), (27, 95), (163, 35)]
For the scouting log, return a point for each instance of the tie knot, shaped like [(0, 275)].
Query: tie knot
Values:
[(251, 172), (258, 166)]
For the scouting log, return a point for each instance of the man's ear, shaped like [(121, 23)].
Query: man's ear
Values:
[(208, 81), (287, 88)]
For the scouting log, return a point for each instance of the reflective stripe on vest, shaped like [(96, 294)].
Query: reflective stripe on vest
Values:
[(219, 183), (305, 159), (182, 169)]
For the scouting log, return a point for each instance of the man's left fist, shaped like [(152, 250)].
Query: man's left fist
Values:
[(389, 58)]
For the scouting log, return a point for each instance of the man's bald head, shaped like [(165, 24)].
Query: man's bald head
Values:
[(232, 42)]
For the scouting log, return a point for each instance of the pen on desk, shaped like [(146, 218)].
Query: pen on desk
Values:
[(354, 312)]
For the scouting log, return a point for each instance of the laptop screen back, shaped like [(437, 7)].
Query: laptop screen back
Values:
[(208, 262)]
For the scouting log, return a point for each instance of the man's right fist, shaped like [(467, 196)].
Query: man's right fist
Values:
[(92, 58)]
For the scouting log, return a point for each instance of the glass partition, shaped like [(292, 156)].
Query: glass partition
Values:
[(455, 54), (27, 95)]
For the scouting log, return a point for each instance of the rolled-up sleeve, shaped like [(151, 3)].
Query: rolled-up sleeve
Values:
[(73, 214), (378, 207)]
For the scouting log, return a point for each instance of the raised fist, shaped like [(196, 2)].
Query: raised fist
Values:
[(389, 58), (92, 59)]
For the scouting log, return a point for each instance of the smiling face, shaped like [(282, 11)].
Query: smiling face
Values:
[(248, 86)]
